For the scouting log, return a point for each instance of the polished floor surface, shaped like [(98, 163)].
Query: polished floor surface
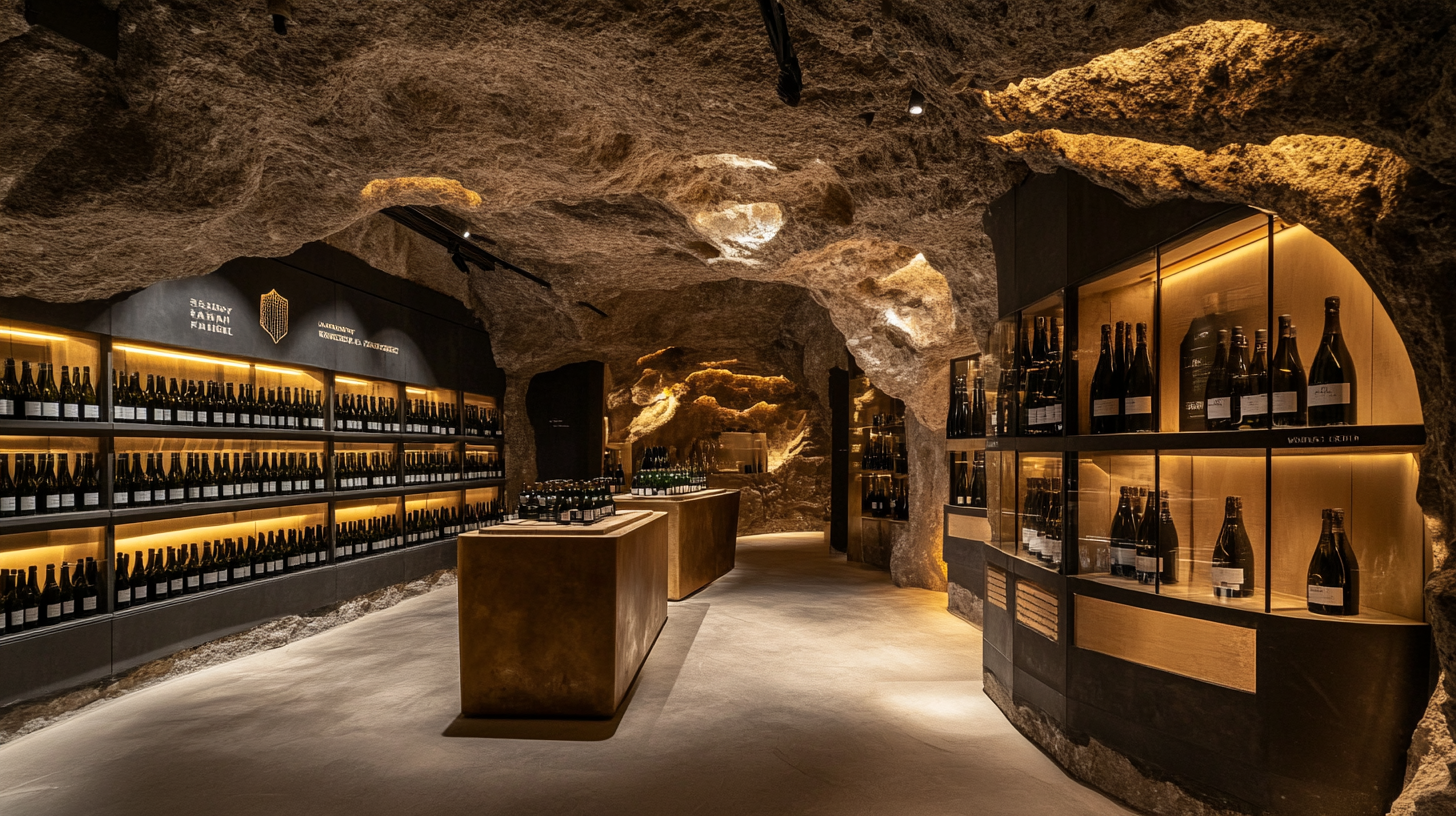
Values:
[(798, 684)]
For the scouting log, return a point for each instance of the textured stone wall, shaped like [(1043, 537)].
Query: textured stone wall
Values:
[(635, 155)]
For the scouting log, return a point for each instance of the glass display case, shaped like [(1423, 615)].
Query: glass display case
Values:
[(29, 561), (156, 385), (482, 419), (365, 406), (431, 411)]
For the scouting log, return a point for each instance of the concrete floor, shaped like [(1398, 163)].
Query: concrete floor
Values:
[(798, 684)]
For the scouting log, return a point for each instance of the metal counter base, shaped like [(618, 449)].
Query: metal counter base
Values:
[(554, 620)]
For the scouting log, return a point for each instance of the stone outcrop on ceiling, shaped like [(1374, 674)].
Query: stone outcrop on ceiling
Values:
[(636, 156)]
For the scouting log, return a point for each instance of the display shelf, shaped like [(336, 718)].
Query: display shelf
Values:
[(20, 427), (193, 509), (1383, 438), (54, 521), (963, 445)]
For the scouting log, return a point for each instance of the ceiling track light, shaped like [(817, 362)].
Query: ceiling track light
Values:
[(593, 308), (420, 221), (791, 79), (917, 103), (282, 12)]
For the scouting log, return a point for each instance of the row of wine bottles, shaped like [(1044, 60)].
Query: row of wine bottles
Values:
[(967, 417), (484, 465), (886, 497), (26, 603), (885, 450), (208, 404), (366, 414), (483, 421), (431, 467), (187, 569), (1041, 519), (968, 481), (38, 397), (430, 417), (44, 483), (1036, 382), (1122, 389), (1143, 543), (671, 481), (361, 470), (229, 475), (565, 502)]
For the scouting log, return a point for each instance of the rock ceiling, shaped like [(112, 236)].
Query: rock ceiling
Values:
[(636, 155)]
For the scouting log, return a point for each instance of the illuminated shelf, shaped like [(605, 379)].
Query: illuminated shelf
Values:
[(170, 511), (22, 427), (1329, 439), (102, 618), (54, 521)]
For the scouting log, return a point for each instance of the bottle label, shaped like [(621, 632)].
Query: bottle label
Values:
[(125, 413), (193, 581), (1123, 553), (209, 578), (139, 413), (1228, 578), (7, 407), (1052, 414), (1254, 404), (174, 494), (230, 419), (318, 484), (1329, 394), (227, 491), (17, 619), (27, 504), (245, 419), (163, 414), (176, 585), (1329, 596), (1102, 407), (139, 593), (71, 410), (32, 409), (68, 500), (68, 608), (119, 498), (32, 615), (209, 491), (1218, 408), (1147, 563), (50, 410), (123, 596), (194, 493), (138, 496), (91, 499), (53, 501), (88, 604), (91, 411), (1027, 535), (185, 416), (1137, 405), (7, 504)]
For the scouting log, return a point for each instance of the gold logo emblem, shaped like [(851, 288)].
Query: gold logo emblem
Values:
[(273, 315)]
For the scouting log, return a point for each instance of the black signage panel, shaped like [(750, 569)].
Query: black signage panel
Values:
[(476, 363), (433, 342), (366, 333), (226, 312)]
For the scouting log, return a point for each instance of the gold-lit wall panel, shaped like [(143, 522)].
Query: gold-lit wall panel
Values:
[(1125, 295), (1203, 650)]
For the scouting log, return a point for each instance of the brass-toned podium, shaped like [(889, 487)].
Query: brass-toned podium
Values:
[(702, 536), (556, 620)]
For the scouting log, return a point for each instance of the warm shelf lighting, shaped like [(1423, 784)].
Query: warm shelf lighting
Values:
[(277, 370), (177, 355), (30, 335), (409, 390), (350, 381), (212, 532), (1258, 233)]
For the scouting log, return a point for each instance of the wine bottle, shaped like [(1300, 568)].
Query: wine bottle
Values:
[(176, 487), (1334, 572), (65, 486), (8, 503), (1237, 376), (1233, 556), (70, 398), (953, 428), (1287, 379), (140, 409), (1217, 392), (1051, 385), (9, 392), (1137, 403), (26, 486), (1332, 390), (1104, 394), (50, 598), (86, 396), (30, 601), (1123, 536), (1168, 549), (30, 400), (50, 395), (1254, 395), (1146, 565), (141, 482)]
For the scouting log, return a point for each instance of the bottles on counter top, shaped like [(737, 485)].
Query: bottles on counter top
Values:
[(228, 475), (563, 502), (1233, 555), (36, 396), (45, 483), (30, 603), (209, 404), (1041, 519), (430, 417), (483, 421), (1333, 585), (361, 414)]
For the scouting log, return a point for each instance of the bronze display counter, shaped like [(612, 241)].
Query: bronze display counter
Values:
[(702, 536), (555, 620)]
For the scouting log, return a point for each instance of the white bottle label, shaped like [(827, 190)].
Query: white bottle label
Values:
[(245, 419), (174, 494), (92, 499), (231, 419), (1138, 405), (119, 498), (1228, 578), (194, 493), (68, 500), (91, 411), (193, 581), (53, 501), (141, 496), (17, 619), (123, 596), (184, 417), (7, 407), (1147, 563), (1218, 408), (1329, 596), (209, 491), (1103, 407), (1254, 404), (176, 585), (53, 611), (7, 504), (88, 604), (71, 410), (139, 593), (27, 504), (227, 491), (139, 413), (209, 578), (68, 608), (50, 410), (32, 614), (1053, 414), (32, 409), (1329, 394)]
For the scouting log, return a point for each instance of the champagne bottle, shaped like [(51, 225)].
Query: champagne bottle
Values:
[(176, 487), (30, 399), (67, 588), (65, 486), (1168, 549), (70, 399), (1254, 395), (90, 405), (8, 503), (1334, 573), (1332, 389), (1104, 394), (1233, 556), (140, 412), (122, 584), (1238, 377), (50, 598), (230, 408), (192, 572), (50, 395), (1051, 385), (176, 576), (1287, 379), (9, 392), (1146, 565), (1217, 391), (1123, 537), (1137, 408), (30, 601), (141, 482), (26, 487)]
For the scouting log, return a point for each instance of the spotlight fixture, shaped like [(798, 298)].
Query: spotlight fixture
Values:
[(791, 79), (459, 261), (917, 103), (466, 234)]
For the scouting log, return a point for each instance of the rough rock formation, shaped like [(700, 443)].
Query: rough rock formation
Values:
[(636, 156)]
